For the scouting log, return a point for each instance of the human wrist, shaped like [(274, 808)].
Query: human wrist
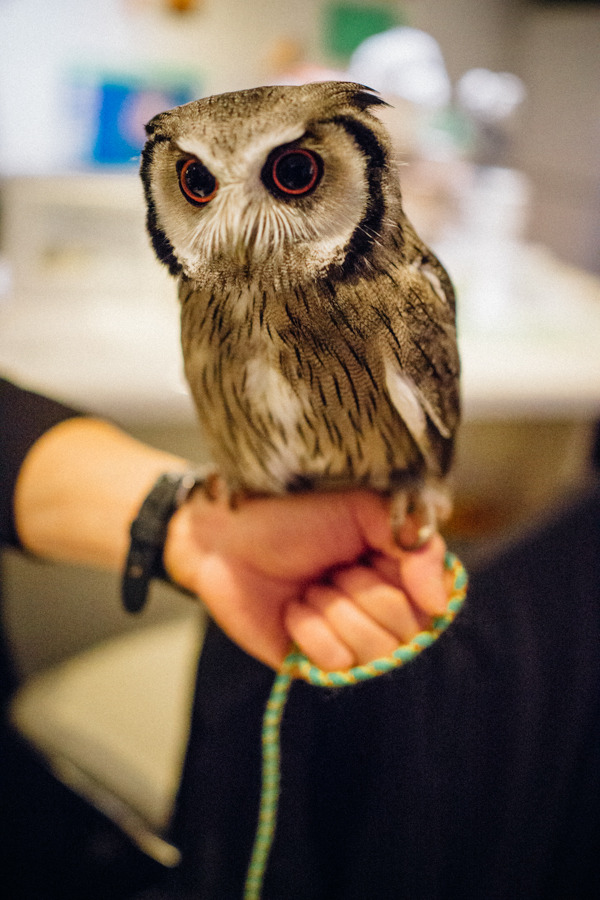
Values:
[(149, 533)]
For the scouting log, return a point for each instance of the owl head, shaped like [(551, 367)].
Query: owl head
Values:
[(289, 179)]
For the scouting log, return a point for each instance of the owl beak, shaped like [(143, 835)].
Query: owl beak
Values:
[(246, 237), (246, 245), (242, 250)]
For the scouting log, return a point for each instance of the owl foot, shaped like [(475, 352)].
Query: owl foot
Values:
[(415, 515), (211, 484), (218, 490)]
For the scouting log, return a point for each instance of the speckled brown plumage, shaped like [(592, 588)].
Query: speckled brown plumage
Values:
[(318, 331)]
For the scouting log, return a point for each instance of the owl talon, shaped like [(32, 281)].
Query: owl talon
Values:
[(213, 486), (217, 490), (415, 517), (411, 534)]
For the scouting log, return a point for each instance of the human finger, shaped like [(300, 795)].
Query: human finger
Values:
[(366, 638), (315, 637), (422, 575), (382, 601)]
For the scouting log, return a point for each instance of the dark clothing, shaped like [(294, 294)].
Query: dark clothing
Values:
[(472, 773), (24, 417)]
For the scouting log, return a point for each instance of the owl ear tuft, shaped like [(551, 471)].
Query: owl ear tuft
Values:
[(364, 97), (152, 125)]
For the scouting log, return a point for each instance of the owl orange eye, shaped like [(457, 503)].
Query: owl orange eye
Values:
[(198, 185), (292, 172)]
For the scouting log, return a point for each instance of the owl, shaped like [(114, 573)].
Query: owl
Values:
[(318, 331)]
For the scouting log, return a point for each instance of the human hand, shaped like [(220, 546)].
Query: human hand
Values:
[(321, 570)]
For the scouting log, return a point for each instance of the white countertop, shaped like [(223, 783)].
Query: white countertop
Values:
[(537, 355), (103, 355)]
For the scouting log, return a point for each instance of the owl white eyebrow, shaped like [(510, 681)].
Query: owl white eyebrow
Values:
[(186, 147), (195, 147), (305, 134)]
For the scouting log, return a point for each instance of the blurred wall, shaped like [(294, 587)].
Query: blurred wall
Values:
[(226, 43), (470, 32), (43, 45), (554, 49), (559, 143)]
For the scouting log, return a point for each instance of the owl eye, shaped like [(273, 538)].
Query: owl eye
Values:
[(198, 185), (293, 172)]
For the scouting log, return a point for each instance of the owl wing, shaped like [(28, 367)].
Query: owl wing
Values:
[(420, 358)]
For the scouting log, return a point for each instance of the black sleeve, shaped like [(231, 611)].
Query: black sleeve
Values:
[(24, 417), (471, 772)]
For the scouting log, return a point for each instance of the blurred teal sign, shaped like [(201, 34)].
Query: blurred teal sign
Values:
[(123, 107)]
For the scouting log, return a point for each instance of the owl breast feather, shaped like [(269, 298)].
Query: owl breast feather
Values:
[(286, 406)]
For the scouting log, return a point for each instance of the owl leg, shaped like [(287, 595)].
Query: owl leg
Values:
[(213, 486), (415, 514), (217, 489)]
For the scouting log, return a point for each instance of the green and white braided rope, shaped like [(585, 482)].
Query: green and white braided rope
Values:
[(296, 665)]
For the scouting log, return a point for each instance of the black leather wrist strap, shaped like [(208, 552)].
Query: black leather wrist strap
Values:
[(148, 533)]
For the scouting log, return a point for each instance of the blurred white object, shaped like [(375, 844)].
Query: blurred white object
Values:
[(90, 317), (490, 96), (490, 100), (494, 215), (73, 235), (497, 204), (5, 280), (404, 62)]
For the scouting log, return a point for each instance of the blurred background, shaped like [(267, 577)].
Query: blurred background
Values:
[(495, 116), (496, 120)]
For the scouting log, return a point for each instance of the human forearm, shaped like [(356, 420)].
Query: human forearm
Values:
[(80, 487)]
